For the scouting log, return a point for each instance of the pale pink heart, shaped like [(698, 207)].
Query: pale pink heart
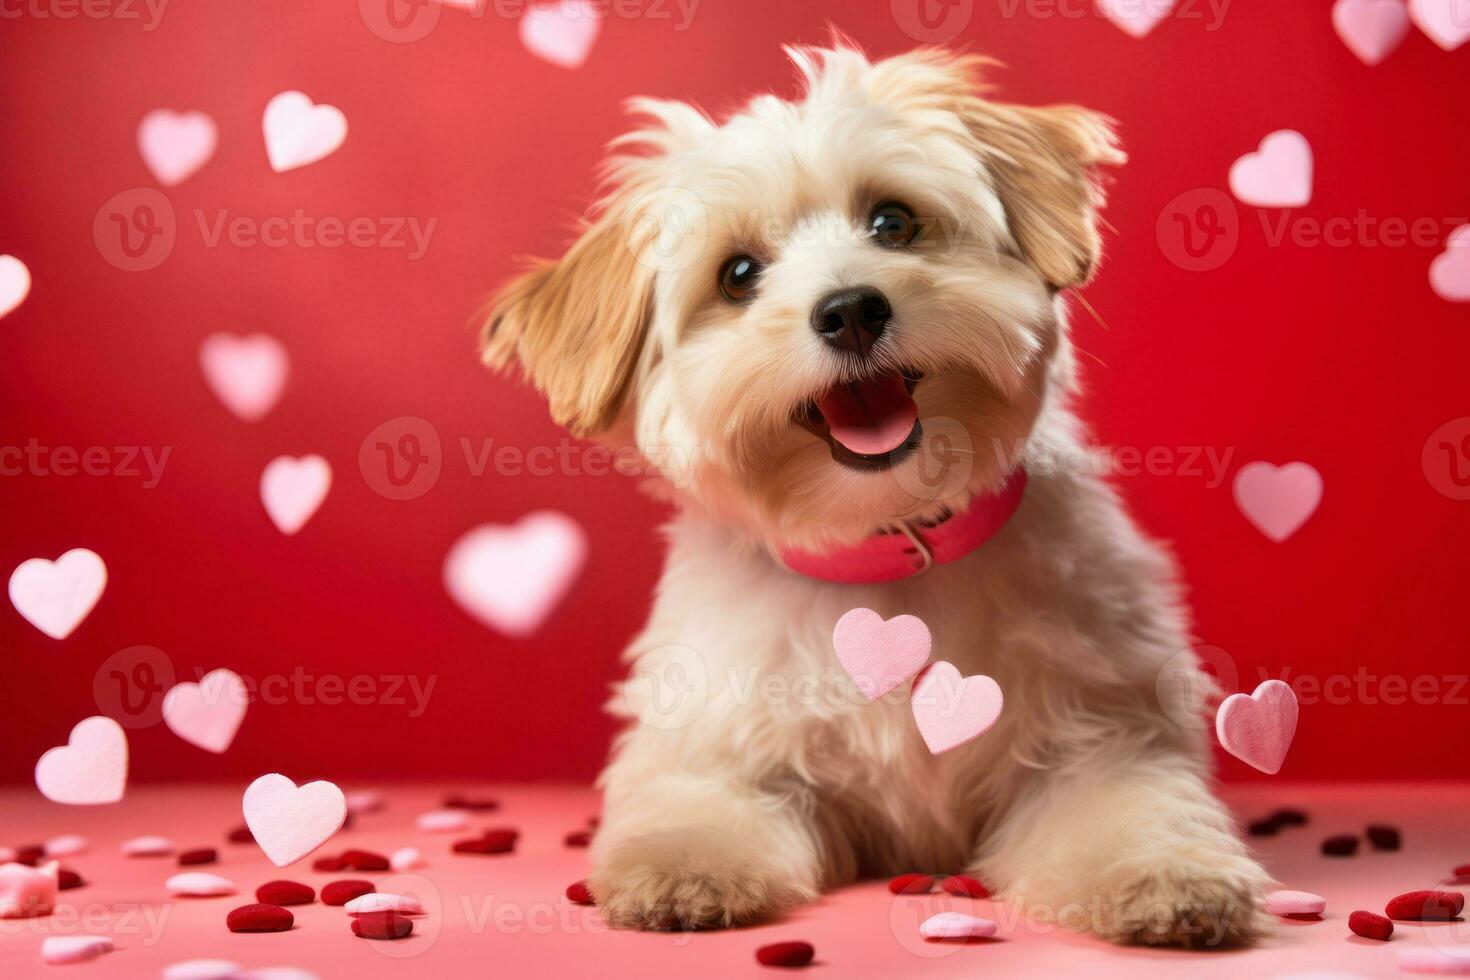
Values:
[(67, 845), (1288, 902), (199, 884), (1449, 273), (512, 577), (175, 145), (299, 132), (442, 821), (202, 970), (74, 949), (957, 925), (1371, 29), (290, 821), (55, 596), (1278, 175), (561, 32), (384, 902), (951, 710), (365, 801), (292, 489), (1135, 17), (15, 283), (1278, 500), (406, 859), (880, 655), (25, 892), (1257, 728), (207, 714), (149, 845), (91, 768), (1447, 22), (246, 373)]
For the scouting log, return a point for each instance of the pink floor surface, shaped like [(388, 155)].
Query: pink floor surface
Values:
[(505, 916)]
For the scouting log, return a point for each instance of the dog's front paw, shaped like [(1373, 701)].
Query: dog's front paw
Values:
[(692, 878), (1196, 905)]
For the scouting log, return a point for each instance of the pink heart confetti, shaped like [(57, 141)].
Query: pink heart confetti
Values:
[(199, 884), (26, 892), (175, 145), (207, 714), (149, 845), (511, 577), (74, 949), (290, 821), (562, 32), (1258, 728), (1449, 273), (1135, 17), (1285, 901), (246, 373), (1446, 22), (15, 283), (951, 710), (91, 768), (1278, 500), (67, 845), (293, 488), (299, 132), (1278, 175), (957, 925), (1371, 29), (55, 596), (879, 655), (202, 970)]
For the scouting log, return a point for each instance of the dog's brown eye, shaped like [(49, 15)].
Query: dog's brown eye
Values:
[(893, 225), (738, 276)]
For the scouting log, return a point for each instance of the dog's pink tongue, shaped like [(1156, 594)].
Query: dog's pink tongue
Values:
[(870, 417)]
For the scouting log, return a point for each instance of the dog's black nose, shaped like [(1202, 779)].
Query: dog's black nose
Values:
[(852, 319)]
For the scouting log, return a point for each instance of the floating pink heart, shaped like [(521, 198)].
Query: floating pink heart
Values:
[(175, 145), (1135, 17), (91, 768), (207, 714), (511, 577), (879, 655), (1447, 22), (1449, 273), (293, 488), (1371, 29), (290, 821), (951, 710), (55, 596), (1278, 175), (299, 132), (562, 32), (246, 373), (1278, 500), (15, 283), (1258, 728)]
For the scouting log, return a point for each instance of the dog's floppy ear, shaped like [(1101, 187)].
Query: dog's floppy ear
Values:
[(1045, 164), (576, 326)]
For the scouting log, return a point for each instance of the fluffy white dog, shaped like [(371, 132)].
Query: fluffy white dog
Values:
[(835, 327)]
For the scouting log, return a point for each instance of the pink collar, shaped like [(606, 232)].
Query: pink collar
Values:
[(911, 550)]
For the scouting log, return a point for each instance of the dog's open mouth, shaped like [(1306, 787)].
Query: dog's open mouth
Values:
[(869, 424)]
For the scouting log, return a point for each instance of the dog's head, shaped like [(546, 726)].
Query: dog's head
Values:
[(828, 314)]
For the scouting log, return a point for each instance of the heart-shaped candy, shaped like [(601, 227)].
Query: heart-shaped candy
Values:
[(246, 373), (1447, 22), (175, 145), (290, 821), (15, 283), (292, 488), (92, 767), (55, 596), (74, 949), (561, 32), (879, 655), (1257, 728), (1449, 273), (951, 710), (1135, 17), (1371, 29), (207, 714)]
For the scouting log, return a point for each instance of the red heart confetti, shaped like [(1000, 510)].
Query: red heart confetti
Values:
[(242, 835), (1342, 845), (199, 855), (965, 885), (283, 892), (67, 879), (259, 918), (1423, 905), (381, 925), (578, 894), (329, 864), (1384, 837), (912, 884), (1370, 926), (785, 954), (577, 838), (478, 804), (343, 891), (358, 860)]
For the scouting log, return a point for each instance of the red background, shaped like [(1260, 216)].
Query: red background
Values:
[(1341, 357)]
